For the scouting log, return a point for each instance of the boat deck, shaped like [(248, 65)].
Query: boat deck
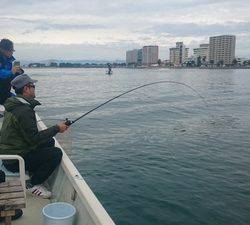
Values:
[(32, 214)]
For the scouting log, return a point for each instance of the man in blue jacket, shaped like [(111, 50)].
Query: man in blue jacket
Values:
[(7, 71)]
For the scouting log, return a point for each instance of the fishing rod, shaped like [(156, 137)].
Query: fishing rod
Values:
[(69, 122)]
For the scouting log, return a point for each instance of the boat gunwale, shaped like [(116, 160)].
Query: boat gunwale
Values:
[(92, 204)]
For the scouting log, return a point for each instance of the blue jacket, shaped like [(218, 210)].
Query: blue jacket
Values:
[(6, 77)]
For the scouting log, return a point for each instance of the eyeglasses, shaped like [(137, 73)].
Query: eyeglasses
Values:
[(9, 51)]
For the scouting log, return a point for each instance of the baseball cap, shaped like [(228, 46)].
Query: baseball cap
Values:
[(22, 80), (7, 45)]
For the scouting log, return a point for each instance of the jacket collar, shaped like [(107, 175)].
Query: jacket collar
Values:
[(32, 102)]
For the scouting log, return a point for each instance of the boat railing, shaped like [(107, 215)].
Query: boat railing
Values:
[(21, 168)]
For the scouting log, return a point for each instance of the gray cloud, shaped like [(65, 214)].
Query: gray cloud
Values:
[(48, 26), (43, 24), (110, 28), (192, 29), (110, 8)]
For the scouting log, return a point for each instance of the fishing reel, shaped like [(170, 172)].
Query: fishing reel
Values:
[(68, 122)]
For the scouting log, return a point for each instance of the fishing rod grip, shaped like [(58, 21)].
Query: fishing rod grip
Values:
[(68, 122)]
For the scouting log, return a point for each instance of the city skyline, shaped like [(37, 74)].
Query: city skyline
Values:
[(93, 30)]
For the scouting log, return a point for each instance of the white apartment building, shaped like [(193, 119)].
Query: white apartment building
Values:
[(134, 57), (174, 56), (222, 49), (150, 54), (179, 54), (131, 57), (202, 52)]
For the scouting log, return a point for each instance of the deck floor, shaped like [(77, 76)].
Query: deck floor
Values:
[(32, 214)]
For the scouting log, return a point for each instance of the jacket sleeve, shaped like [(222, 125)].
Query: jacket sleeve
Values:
[(5, 73), (28, 125)]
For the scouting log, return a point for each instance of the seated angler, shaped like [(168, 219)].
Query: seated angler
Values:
[(20, 135)]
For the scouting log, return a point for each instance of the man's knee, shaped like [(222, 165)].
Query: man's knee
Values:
[(57, 154), (49, 143)]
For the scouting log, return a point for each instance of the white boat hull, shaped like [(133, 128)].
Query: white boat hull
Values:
[(68, 185)]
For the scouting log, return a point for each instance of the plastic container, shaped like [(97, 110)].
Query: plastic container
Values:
[(58, 213)]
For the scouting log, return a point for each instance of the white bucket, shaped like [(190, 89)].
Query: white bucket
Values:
[(58, 213)]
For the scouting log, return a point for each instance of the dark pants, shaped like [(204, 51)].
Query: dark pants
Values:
[(40, 163)]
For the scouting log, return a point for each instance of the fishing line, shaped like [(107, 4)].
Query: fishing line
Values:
[(69, 122), (52, 119)]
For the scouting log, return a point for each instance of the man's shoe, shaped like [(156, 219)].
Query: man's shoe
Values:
[(18, 214), (1, 111), (39, 191)]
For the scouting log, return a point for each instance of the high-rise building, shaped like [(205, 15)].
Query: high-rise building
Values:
[(222, 49), (131, 57), (202, 52), (134, 57), (139, 57), (150, 54), (179, 54), (174, 56), (186, 54)]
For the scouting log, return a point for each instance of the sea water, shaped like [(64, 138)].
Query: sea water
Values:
[(159, 155)]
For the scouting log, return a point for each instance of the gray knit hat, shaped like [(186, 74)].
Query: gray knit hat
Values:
[(22, 80)]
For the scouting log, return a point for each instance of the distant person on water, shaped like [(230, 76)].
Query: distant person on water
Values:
[(7, 71), (109, 69), (20, 135)]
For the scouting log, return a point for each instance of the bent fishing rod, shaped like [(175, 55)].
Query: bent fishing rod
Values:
[(69, 122)]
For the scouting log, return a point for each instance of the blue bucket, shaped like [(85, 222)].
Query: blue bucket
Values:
[(58, 213)]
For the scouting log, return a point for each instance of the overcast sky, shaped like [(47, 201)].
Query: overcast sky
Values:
[(104, 30)]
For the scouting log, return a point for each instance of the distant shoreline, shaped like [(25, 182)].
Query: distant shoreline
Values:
[(137, 68)]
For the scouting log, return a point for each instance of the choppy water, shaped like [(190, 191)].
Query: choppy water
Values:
[(158, 155)]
